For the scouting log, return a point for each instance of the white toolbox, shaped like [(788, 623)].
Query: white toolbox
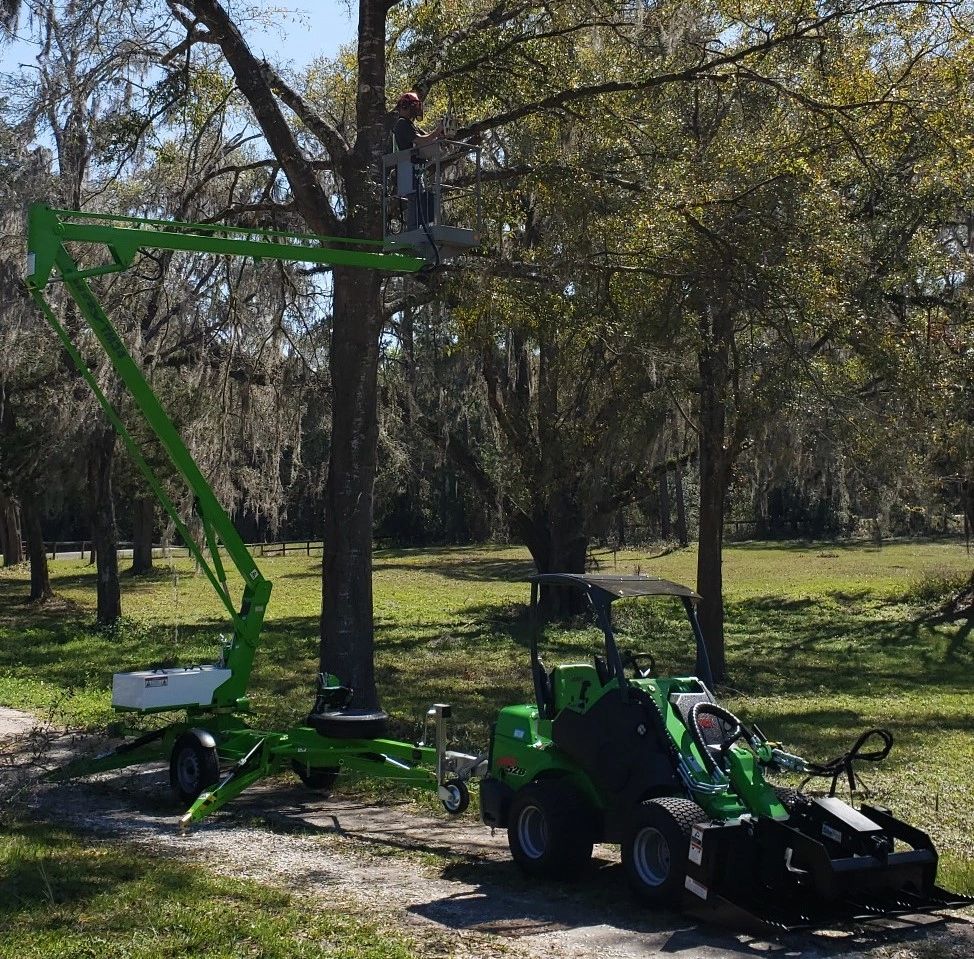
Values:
[(167, 688)]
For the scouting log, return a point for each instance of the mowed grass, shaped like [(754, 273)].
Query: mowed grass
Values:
[(61, 897), (824, 640)]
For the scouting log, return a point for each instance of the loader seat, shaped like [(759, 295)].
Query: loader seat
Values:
[(573, 685)]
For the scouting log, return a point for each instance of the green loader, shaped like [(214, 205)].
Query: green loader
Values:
[(611, 752)]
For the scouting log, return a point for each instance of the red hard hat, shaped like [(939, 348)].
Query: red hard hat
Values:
[(409, 99)]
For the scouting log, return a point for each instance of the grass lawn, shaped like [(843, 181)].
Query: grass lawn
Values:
[(824, 640), (64, 898)]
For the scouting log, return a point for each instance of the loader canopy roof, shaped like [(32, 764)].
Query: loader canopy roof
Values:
[(611, 588)]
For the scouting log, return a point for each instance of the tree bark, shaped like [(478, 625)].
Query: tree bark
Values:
[(681, 508), (713, 362), (40, 579), (143, 526), (558, 545), (10, 533), (347, 638), (665, 526), (104, 535)]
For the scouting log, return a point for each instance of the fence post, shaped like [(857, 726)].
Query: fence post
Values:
[(309, 547)]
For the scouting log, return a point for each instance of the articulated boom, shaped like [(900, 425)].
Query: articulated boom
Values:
[(49, 230)]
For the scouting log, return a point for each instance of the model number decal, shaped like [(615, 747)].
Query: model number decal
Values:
[(831, 833)]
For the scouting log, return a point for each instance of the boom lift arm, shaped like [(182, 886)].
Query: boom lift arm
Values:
[(49, 260)]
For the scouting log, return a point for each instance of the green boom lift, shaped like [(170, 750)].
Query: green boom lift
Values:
[(214, 754)]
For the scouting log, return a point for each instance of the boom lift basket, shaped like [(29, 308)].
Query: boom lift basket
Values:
[(446, 181)]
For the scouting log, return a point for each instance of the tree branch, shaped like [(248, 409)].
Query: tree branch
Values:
[(326, 134), (311, 199)]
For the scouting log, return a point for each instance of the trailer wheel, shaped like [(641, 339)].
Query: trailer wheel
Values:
[(550, 830), (194, 765), (655, 848), (319, 778), (459, 797)]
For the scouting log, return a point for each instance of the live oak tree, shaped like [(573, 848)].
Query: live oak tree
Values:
[(745, 145), (345, 203)]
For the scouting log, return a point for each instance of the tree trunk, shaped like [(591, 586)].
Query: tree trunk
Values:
[(347, 638), (663, 486), (716, 329), (558, 545), (10, 536), (104, 535), (681, 508), (143, 524), (346, 618), (40, 580)]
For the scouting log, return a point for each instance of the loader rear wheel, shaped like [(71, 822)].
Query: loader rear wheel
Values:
[(319, 778), (655, 848), (550, 830), (194, 765)]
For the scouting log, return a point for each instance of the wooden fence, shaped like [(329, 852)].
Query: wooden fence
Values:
[(81, 549)]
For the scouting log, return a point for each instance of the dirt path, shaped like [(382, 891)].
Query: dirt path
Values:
[(448, 883)]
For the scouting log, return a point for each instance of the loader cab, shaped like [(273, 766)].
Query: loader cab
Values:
[(431, 200), (576, 684)]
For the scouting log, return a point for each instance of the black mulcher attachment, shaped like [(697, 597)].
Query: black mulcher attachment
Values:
[(826, 863)]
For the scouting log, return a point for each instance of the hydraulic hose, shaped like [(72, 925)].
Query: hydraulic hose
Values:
[(421, 213), (845, 763)]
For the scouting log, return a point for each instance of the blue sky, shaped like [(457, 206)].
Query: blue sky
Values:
[(315, 29)]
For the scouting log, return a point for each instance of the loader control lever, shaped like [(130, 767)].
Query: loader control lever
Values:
[(632, 659)]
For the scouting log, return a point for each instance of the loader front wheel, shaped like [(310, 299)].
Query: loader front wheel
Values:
[(550, 830), (655, 849)]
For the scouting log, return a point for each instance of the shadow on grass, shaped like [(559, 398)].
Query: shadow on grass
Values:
[(833, 546), (41, 877), (480, 569)]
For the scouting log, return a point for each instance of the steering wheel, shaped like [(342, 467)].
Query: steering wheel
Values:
[(631, 660), (737, 732)]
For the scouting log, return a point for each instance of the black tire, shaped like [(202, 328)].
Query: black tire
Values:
[(550, 830), (194, 766), (655, 849), (350, 723), (319, 778), (459, 797)]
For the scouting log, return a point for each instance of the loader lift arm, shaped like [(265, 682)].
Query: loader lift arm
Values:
[(49, 260)]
